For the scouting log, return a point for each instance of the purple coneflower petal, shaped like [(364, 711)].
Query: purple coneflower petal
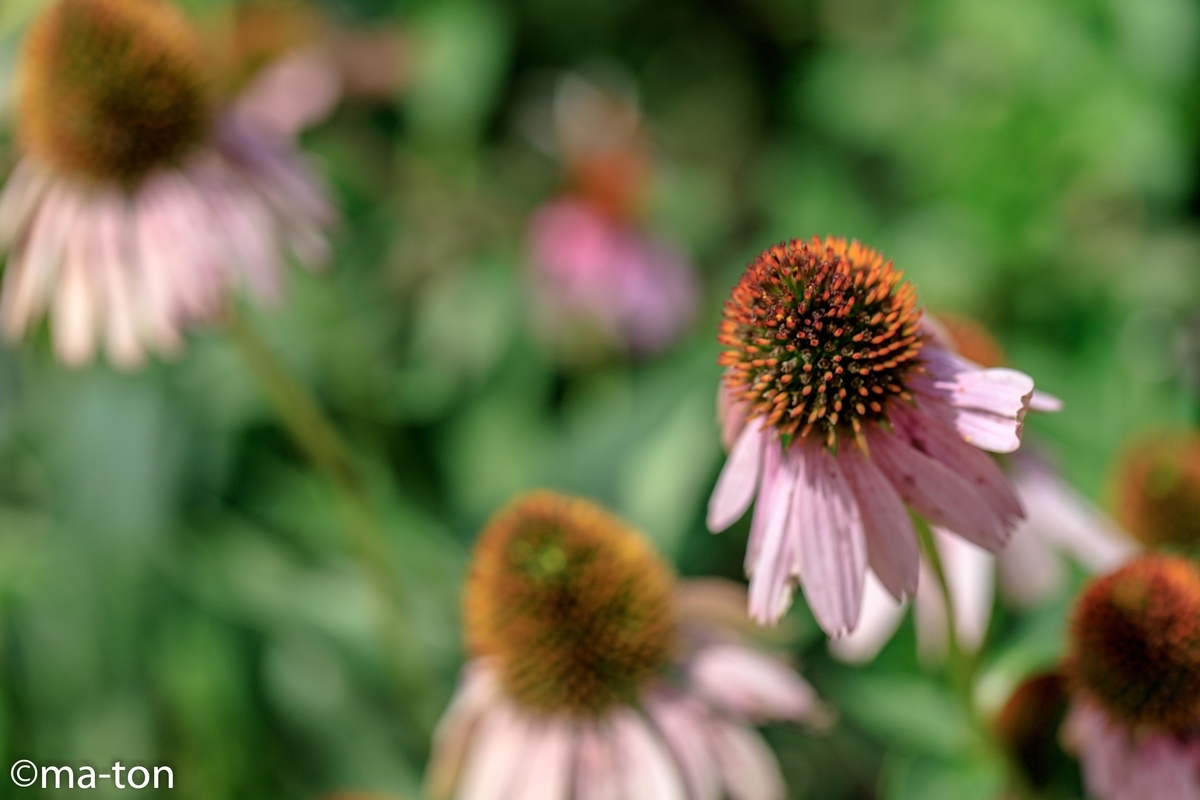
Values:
[(1045, 403), (122, 316), (936, 492), (153, 252), (547, 772), (969, 572), (499, 755), (986, 406), (33, 270), (739, 478), (892, 550), (596, 768), (753, 685), (288, 96), (74, 309), (645, 765), (452, 738), (771, 580), (23, 193), (832, 550), (681, 721), (938, 441), (1029, 570), (748, 768), (880, 616)]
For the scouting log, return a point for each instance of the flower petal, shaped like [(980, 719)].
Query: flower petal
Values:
[(986, 406), (935, 492), (880, 616), (748, 767), (753, 685), (832, 547), (969, 574), (771, 581), (739, 478), (499, 753), (547, 774), (596, 768), (892, 549), (681, 721), (645, 765), (476, 693)]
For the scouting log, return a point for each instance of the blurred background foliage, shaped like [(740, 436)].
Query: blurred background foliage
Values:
[(175, 583)]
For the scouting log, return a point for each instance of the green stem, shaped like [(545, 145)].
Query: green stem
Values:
[(957, 663), (329, 454)]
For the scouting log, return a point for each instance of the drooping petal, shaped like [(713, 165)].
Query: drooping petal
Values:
[(935, 492), (892, 550), (451, 739), (753, 685), (739, 478), (771, 582), (499, 755), (1045, 403), (23, 193), (547, 775), (986, 406), (682, 723), (969, 573), (832, 546), (748, 767), (33, 271), (1030, 572), (596, 766), (647, 769), (880, 616), (113, 262), (731, 416), (75, 312), (938, 441)]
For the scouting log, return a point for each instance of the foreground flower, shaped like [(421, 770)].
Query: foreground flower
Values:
[(593, 676), (138, 204), (596, 273), (845, 408), (1135, 667), (1158, 490)]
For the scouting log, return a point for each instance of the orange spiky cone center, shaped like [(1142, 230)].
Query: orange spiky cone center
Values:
[(111, 89), (820, 337), (570, 603), (1158, 491)]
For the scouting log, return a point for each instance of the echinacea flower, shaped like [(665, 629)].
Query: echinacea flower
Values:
[(598, 278), (593, 676), (1027, 728), (846, 408), (1135, 671), (139, 203), (1157, 490)]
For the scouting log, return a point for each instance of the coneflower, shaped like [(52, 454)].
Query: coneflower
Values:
[(1157, 489), (593, 674)]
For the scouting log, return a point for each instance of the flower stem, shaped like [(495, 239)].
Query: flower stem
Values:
[(957, 665), (368, 538)]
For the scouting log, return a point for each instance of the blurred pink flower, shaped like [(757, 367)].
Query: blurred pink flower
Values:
[(592, 271), (847, 408), (1060, 524), (124, 247)]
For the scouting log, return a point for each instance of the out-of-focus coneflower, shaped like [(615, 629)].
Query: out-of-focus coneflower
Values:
[(593, 675), (846, 407), (1027, 728), (1157, 490), (1135, 674), (1059, 524), (596, 273), (140, 201)]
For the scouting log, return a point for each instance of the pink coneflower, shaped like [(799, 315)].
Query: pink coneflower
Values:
[(594, 676), (138, 204), (1157, 489), (1135, 670), (846, 408), (597, 274)]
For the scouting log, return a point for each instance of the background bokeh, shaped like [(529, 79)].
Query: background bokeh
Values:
[(175, 582)]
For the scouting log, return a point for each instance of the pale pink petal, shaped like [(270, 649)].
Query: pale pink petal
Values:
[(892, 550), (647, 769), (986, 406), (881, 615), (547, 774), (748, 767), (940, 442), (123, 317), (499, 755), (832, 550), (731, 416), (154, 253), (596, 768), (969, 574), (1030, 572), (76, 308), (1066, 519), (940, 495), (291, 94), (24, 191), (681, 721), (753, 685), (1045, 403), (33, 272), (739, 478), (771, 581), (476, 693)]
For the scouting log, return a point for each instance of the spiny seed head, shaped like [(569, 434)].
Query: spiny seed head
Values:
[(571, 603), (972, 340), (1158, 491), (1027, 726), (1137, 643), (111, 89), (820, 337)]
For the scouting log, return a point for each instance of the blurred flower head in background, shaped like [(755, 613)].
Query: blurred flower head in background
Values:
[(1157, 490), (1028, 728), (140, 201), (599, 281), (847, 409), (1135, 670), (594, 675)]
